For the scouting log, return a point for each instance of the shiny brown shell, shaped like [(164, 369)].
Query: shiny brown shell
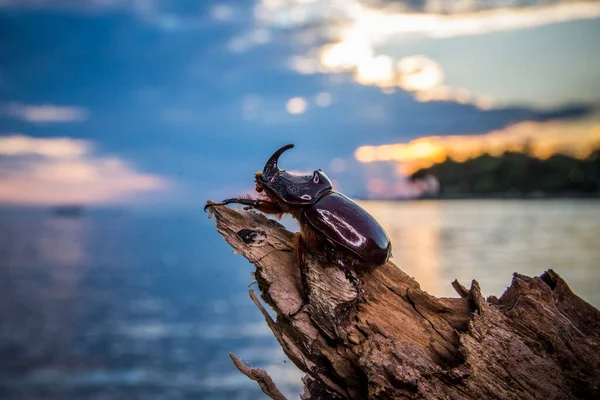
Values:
[(346, 223)]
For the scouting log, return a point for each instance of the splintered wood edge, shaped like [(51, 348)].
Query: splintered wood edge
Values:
[(296, 356), (260, 376)]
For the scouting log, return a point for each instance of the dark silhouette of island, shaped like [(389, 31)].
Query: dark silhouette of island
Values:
[(516, 175)]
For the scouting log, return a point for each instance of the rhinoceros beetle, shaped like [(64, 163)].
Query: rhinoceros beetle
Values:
[(330, 223)]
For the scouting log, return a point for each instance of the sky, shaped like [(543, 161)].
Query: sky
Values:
[(177, 102)]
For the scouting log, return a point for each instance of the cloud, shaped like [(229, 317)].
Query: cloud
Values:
[(296, 105), (541, 139), (63, 170), (279, 109), (222, 13), (246, 41), (60, 148), (428, 18), (386, 23), (45, 113), (416, 73), (364, 40)]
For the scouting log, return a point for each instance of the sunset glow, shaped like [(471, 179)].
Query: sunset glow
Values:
[(417, 73), (542, 140), (63, 170), (361, 43)]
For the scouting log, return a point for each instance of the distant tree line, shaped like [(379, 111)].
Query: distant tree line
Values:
[(517, 174)]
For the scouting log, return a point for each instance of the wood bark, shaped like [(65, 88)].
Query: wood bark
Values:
[(537, 341)]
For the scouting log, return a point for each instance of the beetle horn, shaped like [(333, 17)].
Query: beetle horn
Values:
[(271, 167)]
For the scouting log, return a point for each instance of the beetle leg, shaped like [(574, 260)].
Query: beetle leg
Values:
[(248, 202), (351, 278), (261, 205), (268, 207), (303, 271), (341, 264)]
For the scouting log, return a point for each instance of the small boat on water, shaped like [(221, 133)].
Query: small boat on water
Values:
[(68, 211)]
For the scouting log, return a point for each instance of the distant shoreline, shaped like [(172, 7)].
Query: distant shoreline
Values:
[(490, 197), (116, 210)]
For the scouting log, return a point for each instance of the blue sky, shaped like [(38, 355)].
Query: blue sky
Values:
[(177, 102)]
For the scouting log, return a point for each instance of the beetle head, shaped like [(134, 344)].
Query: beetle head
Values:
[(291, 188)]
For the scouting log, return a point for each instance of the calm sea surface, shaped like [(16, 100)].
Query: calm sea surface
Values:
[(149, 304)]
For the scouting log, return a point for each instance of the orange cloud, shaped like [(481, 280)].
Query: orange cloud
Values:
[(16, 145), (541, 139), (64, 170)]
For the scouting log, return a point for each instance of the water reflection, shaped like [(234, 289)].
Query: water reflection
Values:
[(436, 242), (62, 241), (417, 248), (150, 305), (142, 305)]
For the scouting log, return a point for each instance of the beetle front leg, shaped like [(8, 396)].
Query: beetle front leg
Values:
[(247, 202), (265, 206)]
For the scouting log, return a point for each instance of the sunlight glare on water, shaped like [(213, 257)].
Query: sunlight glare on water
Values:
[(439, 241)]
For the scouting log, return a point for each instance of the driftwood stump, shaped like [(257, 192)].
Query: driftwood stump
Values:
[(537, 341)]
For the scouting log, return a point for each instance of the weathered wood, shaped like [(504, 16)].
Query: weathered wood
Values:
[(259, 375), (538, 341)]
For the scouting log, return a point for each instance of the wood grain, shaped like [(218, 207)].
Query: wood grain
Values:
[(538, 341)]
